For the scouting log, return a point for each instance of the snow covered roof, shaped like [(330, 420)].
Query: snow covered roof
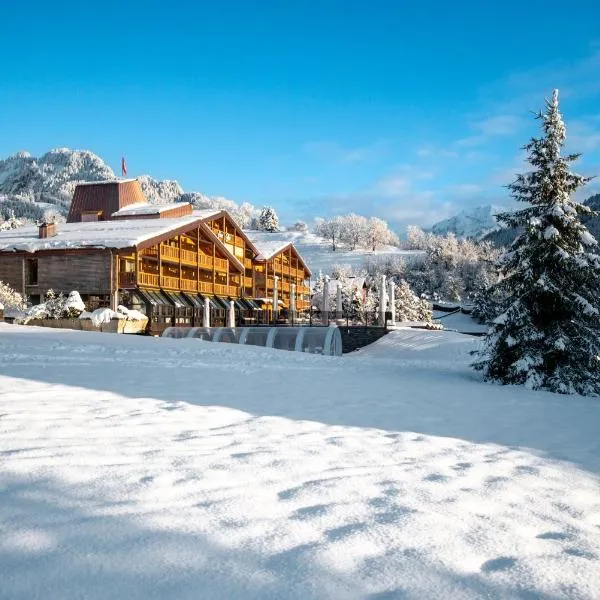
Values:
[(206, 213), (271, 244), (267, 244), (145, 208), (95, 234)]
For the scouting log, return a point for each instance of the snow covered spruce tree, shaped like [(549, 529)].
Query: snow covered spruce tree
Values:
[(268, 220), (548, 335), (409, 307)]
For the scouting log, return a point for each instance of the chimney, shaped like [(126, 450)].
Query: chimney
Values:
[(47, 230)]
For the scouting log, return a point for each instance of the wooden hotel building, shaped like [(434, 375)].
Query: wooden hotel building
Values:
[(116, 248)]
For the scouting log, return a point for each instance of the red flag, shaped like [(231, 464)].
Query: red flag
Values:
[(123, 167)]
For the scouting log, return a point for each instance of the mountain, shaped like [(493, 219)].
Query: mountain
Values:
[(505, 236), (471, 222), (37, 187)]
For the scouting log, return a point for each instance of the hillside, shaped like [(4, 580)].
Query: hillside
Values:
[(505, 236), (318, 254), (33, 187)]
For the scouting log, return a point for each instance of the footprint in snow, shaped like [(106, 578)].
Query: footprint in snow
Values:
[(436, 477), (554, 535), (579, 553), (339, 533), (501, 563)]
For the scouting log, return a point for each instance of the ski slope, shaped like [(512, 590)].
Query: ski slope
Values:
[(141, 468)]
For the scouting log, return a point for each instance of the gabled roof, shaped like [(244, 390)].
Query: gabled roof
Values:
[(223, 213), (269, 248)]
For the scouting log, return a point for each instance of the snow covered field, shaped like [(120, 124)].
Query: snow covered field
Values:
[(141, 468), (318, 254)]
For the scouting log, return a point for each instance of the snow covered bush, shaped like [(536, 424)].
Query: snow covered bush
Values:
[(268, 220), (548, 335), (10, 299), (57, 306), (11, 222)]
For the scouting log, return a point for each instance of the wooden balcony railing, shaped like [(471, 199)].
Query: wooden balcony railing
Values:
[(169, 253), (189, 285), (151, 252), (147, 279), (189, 257), (221, 264), (205, 287), (248, 263), (205, 261), (171, 283), (226, 290), (127, 280), (285, 286), (247, 282)]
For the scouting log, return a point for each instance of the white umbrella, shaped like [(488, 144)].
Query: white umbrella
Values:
[(206, 316), (231, 314)]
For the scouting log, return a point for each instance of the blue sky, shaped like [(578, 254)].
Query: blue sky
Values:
[(409, 111)]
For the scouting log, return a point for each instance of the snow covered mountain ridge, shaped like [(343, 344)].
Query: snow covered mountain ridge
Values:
[(34, 187), (471, 222)]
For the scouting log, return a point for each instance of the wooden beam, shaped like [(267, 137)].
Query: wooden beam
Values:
[(179, 237), (214, 259)]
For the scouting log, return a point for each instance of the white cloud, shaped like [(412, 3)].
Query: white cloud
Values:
[(496, 126), (334, 152), (465, 189)]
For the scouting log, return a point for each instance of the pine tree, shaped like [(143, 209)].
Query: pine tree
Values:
[(409, 307), (548, 336), (268, 220)]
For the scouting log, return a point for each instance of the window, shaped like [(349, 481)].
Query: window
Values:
[(31, 271), (89, 216)]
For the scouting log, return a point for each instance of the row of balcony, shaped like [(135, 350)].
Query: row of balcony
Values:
[(128, 280), (188, 257)]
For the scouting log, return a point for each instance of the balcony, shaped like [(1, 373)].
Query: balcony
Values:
[(247, 282), (169, 253), (149, 252), (221, 264), (205, 287), (189, 285), (188, 257), (170, 283), (205, 261), (127, 280), (248, 263), (147, 279), (226, 290)]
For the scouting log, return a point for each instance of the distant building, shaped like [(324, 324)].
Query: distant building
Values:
[(116, 248)]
